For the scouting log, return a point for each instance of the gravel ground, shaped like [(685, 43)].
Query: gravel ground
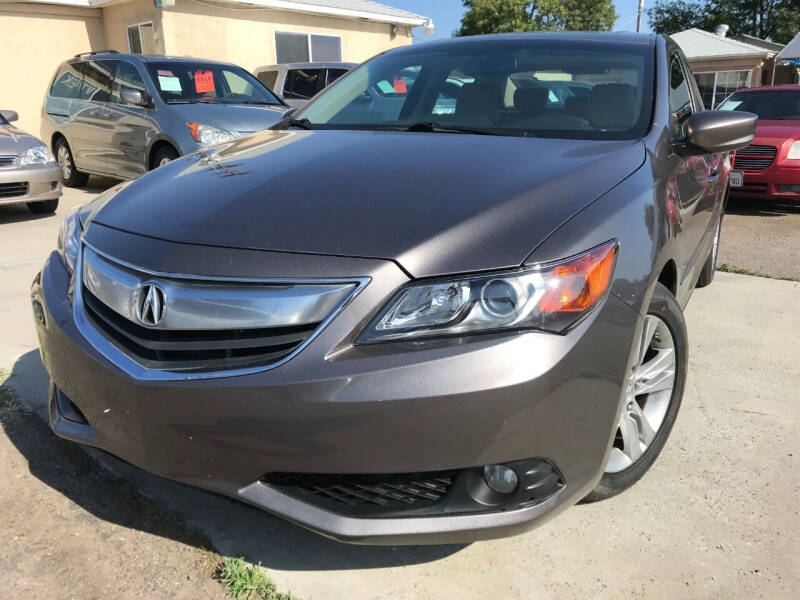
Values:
[(762, 236)]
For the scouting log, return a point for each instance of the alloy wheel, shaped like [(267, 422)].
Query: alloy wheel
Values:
[(647, 397), (164, 161), (64, 161)]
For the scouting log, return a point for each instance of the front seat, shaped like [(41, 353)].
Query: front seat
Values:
[(476, 105), (531, 101), (612, 106)]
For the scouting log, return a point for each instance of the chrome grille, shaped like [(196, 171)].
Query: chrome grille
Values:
[(7, 160), (11, 190), (755, 158)]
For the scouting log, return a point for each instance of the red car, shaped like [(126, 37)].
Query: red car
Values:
[(770, 166)]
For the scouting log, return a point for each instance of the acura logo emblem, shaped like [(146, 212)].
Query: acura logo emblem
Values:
[(150, 303)]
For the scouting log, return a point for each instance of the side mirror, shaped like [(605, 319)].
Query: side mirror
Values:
[(9, 115), (132, 96), (710, 131)]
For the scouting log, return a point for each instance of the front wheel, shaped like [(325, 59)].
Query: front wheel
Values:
[(653, 396), (69, 174), (164, 155)]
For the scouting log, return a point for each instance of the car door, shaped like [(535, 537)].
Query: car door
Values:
[(89, 132), (301, 85), (132, 126), (692, 185)]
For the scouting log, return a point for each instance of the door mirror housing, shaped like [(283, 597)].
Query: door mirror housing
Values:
[(9, 115), (134, 97), (711, 131)]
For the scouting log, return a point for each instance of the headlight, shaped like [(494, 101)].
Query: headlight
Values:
[(38, 155), (69, 239), (794, 151), (549, 297), (207, 135)]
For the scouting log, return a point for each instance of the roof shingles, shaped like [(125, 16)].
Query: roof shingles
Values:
[(698, 44)]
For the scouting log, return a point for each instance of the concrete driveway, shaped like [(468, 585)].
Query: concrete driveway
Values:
[(717, 516)]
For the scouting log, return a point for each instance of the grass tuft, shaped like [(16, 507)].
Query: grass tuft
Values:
[(244, 581), (726, 268)]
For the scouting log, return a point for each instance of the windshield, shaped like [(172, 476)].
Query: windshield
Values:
[(182, 82), (776, 105), (516, 86)]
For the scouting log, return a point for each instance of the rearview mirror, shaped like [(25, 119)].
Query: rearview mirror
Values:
[(9, 115), (710, 131), (132, 96)]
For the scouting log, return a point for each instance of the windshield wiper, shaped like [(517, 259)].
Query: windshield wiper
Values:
[(193, 102), (292, 122), (440, 128)]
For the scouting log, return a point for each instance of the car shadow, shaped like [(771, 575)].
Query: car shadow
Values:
[(123, 494), (760, 207)]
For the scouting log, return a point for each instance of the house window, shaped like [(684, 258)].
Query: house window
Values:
[(718, 85), (141, 39), (303, 47)]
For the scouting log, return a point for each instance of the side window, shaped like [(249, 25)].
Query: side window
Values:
[(237, 84), (126, 76), (303, 84), (334, 74), (67, 83), (680, 104), (96, 81), (268, 78)]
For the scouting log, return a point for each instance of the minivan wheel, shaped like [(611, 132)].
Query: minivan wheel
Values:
[(69, 174), (653, 396), (43, 207), (710, 267), (163, 155)]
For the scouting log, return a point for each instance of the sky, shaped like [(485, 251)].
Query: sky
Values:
[(446, 15)]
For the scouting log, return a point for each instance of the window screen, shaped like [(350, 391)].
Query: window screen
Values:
[(291, 47), (326, 48), (141, 39)]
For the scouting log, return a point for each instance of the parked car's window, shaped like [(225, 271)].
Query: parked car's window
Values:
[(778, 105), (126, 76), (96, 80), (334, 74), (268, 78), (67, 83), (303, 84), (680, 103), (512, 86), (187, 82)]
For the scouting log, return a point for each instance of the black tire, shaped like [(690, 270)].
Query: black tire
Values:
[(43, 207), (162, 156), (710, 267), (70, 176), (663, 305)]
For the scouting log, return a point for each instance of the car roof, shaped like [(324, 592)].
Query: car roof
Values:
[(308, 65), (772, 88), (145, 58), (620, 38)]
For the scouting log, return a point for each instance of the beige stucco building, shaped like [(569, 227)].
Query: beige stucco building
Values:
[(35, 36)]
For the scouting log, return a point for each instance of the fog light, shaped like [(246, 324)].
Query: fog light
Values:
[(38, 312), (788, 188), (501, 479)]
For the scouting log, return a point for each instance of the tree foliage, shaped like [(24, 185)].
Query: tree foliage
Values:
[(777, 20), (506, 16)]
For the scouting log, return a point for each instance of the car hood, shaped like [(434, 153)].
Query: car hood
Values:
[(777, 129), (236, 118), (16, 141), (434, 203)]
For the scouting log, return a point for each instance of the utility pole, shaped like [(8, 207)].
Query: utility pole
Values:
[(639, 16)]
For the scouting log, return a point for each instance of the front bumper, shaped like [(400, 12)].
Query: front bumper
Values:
[(43, 183), (339, 408)]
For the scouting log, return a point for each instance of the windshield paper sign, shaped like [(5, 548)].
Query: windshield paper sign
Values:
[(203, 82)]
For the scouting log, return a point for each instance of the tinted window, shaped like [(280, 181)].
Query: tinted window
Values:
[(326, 48), (291, 47), (185, 82), (303, 84), (512, 86), (778, 105), (680, 105), (334, 74), (126, 76), (96, 80), (268, 78), (67, 83)]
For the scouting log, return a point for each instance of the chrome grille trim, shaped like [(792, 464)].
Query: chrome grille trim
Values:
[(135, 369), (755, 158), (8, 160)]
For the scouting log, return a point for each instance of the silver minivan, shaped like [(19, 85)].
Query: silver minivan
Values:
[(120, 115)]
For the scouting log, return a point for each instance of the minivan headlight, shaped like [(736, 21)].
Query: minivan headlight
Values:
[(208, 135), (549, 297), (69, 239), (794, 151), (38, 155)]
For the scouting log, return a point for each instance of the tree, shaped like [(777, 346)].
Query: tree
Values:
[(506, 16), (778, 20)]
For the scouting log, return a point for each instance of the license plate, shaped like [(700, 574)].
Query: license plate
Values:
[(737, 179)]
